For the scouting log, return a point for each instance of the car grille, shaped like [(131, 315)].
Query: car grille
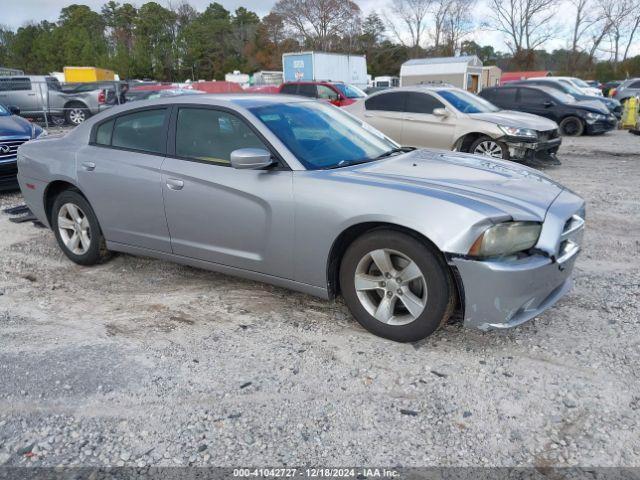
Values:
[(9, 148), (571, 237), (548, 135)]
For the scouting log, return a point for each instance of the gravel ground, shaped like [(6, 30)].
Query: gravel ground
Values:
[(143, 362)]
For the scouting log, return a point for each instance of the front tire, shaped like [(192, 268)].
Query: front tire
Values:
[(571, 127), (486, 145), (396, 286), (77, 230)]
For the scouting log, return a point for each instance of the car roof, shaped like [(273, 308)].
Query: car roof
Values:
[(542, 88), (418, 88)]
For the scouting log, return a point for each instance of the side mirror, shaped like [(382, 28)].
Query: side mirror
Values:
[(440, 112), (14, 110), (251, 158)]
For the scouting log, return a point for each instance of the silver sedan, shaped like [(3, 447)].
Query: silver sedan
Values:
[(303, 195)]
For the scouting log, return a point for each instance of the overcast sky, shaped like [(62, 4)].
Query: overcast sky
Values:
[(20, 12)]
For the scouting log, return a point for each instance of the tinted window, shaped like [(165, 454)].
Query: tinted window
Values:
[(504, 95), (307, 90), (349, 91), (211, 135), (140, 131), (530, 96), (327, 93), (289, 89), (421, 103), (387, 102), (103, 133), (15, 84), (635, 85)]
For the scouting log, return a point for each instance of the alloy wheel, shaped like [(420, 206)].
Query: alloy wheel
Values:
[(77, 116), (489, 148), (74, 229), (391, 287)]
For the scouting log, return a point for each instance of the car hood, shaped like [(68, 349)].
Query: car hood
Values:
[(512, 189), (591, 105), (11, 125), (510, 118)]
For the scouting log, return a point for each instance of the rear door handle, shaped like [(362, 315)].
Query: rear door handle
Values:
[(89, 166), (175, 184)]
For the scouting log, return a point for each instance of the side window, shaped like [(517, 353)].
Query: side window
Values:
[(531, 97), (211, 135), (140, 131), (504, 95), (635, 85), (289, 89), (327, 93), (103, 133), (421, 103), (387, 102), (308, 90)]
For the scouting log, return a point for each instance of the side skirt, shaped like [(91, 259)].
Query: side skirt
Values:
[(217, 267)]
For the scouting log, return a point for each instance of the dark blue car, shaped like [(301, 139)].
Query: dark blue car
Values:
[(14, 131)]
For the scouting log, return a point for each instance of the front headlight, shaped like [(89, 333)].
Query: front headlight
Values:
[(518, 132), (595, 116), (506, 238)]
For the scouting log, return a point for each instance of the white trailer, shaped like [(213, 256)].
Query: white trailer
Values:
[(322, 66)]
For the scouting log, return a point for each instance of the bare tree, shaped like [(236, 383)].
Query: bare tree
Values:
[(527, 24), (617, 15), (588, 19), (318, 22), (634, 25), (457, 24), (409, 16)]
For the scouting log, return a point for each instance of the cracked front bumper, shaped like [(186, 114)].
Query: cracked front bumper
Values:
[(542, 150)]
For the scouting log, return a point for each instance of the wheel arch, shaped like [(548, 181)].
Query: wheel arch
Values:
[(55, 188), (463, 144), (75, 103), (353, 232)]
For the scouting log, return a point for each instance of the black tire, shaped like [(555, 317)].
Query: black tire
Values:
[(76, 113), (571, 127), (440, 297), (486, 139), (97, 251)]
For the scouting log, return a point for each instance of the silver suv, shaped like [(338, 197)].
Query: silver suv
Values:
[(37, 95), (627, 89)]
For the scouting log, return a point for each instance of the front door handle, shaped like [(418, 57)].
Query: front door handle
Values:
[(89, 166), (175, 184)]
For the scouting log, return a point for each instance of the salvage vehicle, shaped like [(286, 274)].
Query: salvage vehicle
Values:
[(575, 118), (612, 104), (303, 195), (627, 89), (576, 83), (38, 95), (338, 93), (14, 131), (454, 119)]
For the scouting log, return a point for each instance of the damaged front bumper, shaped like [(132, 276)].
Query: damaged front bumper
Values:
[(541, 150), (506, 292)]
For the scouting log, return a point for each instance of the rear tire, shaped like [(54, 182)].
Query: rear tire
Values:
[(77, 229), (571, 127), (490, 147), (76, 113), (400, 309)]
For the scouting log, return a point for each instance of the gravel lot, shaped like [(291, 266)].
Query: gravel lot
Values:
[(142, 362)]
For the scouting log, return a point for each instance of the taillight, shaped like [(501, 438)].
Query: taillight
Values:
[(102, 98)]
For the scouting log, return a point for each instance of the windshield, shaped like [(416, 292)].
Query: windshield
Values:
[(580, 83), (349, 91), (3, 111), (323, 136), (467, 102)]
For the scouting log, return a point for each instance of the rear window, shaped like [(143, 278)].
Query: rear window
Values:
[(387, 102), (141, 131), (103, 133), (308, 90), (289, 89), (422, 103), (14, 84)]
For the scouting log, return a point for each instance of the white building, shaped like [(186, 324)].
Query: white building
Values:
[(462, 72)]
